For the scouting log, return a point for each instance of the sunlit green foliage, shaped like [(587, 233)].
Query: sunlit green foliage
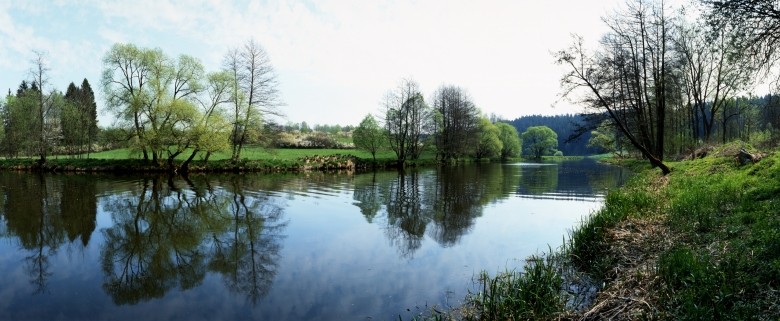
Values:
[(510, 140), (369, 136), (489, 144), (539, 141)]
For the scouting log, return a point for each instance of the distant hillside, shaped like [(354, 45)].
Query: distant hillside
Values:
[(564, 126)]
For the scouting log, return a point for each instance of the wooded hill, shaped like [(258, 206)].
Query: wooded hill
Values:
[(563, 125)]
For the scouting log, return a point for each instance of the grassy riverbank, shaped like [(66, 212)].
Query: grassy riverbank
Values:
[(253, 159), (702, 243)]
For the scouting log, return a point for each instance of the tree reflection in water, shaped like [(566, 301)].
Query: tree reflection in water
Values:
[(44, 213), (165, 236), (247, 251), (539, 179), (441, 203), (406, 219)]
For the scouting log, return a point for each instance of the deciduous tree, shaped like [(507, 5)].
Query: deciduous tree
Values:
[(629, 76), (369, 136), (19, 121), (255, 96), (489, 143), (711, 73), (407, 121), (124, 82), (539, 141), (510, 140), (159, 96), (758, 26), (44, 106), (457, 122)]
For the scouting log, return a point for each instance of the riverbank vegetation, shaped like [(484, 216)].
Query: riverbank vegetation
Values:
[(700, 243), (172, 112), (254, 159)]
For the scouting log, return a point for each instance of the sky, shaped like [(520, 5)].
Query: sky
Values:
[(335, 59)]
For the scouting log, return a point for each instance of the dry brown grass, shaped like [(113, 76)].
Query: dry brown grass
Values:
[(633, 288)]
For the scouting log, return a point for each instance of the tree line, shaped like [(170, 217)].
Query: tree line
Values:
[(666, 80), (170, 106), (38, 120), (451, 127), (165, 107)]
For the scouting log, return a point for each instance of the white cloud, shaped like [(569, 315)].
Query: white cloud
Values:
[(335, 58)]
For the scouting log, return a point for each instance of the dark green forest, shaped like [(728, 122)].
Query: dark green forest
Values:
[(566, 126)]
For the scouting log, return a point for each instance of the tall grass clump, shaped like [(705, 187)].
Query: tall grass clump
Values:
[(588, 243), (694, 282), (726, 263), (533, 294), (698, 204)]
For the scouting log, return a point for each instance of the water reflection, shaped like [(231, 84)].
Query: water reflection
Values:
[(247, 251), (153, 245), (44, 214), (316, 246), (166, 235), (568, 181), (441, 203)]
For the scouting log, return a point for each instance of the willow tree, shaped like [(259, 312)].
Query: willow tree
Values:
[(540, 141), (510, 141), (488, 142), (158, 97), (211, 130), (124, 82)]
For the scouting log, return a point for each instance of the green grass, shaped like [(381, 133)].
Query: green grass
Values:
[(254, 153), (252, 159), (588, 243), (721, 261), (727, 264), (562, 158), (532, 294)]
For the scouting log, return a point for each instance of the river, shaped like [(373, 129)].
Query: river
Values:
[(316, 246)]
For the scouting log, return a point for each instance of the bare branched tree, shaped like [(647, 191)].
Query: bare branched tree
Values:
[(40, 76), (757, 26), (628, 76), (457, 122), (408, 120), (712, 72), (254, 89)]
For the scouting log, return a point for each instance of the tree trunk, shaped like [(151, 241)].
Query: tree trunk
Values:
[(185, 166)]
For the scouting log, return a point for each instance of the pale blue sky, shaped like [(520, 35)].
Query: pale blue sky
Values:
[(335, 59)]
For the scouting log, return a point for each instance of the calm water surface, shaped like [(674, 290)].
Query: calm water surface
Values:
[(277, 247)]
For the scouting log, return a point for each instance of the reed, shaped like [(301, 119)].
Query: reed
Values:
[(535, 293)]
